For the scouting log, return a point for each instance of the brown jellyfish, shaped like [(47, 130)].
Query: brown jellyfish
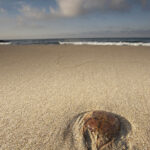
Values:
[(100, 129)]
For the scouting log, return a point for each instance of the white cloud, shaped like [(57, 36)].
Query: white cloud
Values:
[(70, 8)]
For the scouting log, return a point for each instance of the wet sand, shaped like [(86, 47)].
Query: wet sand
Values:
[(42, 88)]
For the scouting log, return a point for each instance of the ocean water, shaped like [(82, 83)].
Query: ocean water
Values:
[(82, 41)]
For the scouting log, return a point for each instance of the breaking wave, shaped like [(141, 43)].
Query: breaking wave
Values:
[(106, 43), (82, 41), (5, 43)]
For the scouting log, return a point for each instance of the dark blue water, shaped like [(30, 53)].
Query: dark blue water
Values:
[(81, 41)]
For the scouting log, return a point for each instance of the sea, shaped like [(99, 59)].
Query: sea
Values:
[(81, 41)]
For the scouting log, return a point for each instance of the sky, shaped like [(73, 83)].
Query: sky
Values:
[(27, 19)]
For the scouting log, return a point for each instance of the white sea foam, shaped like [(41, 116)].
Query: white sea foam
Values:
[(106, 43), (5, 43)]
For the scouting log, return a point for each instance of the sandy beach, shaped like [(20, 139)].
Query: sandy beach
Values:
[(42, 87)]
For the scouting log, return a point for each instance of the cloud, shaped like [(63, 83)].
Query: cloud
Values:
[(69, 8), (2, 10), (32, 12), (73, 8), (145, 4)]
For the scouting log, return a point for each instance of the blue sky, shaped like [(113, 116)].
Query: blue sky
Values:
[(74, 18)]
